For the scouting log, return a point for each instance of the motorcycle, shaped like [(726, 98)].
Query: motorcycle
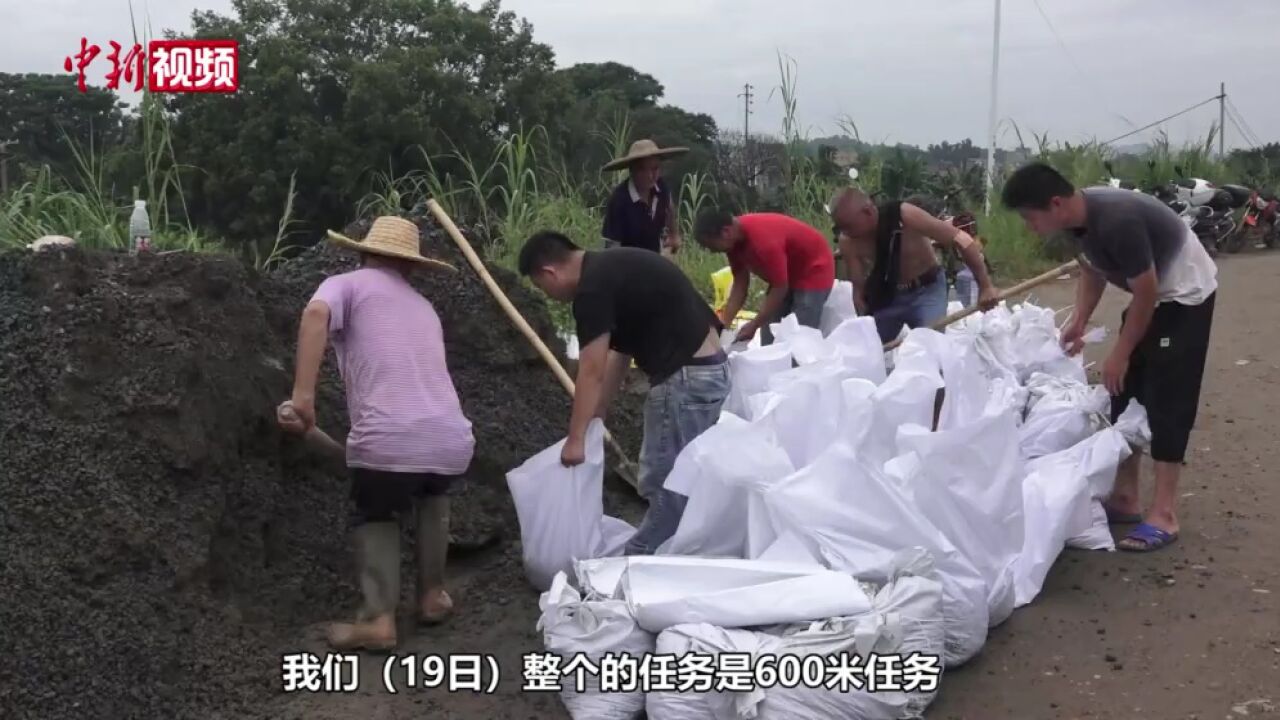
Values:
[(1260, 216), (1210, 209)]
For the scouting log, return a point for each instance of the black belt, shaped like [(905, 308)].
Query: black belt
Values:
[(719, 357), (925, 279)]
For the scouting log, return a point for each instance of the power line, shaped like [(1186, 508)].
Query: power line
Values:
[(1251, 136), (1071, 58), (1163, 120), (1232, 117)]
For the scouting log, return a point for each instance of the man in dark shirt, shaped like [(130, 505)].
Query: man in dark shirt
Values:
[(630, 303), (1136, 243), (640, 212)]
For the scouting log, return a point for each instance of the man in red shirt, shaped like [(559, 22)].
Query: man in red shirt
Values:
[(791, 256)]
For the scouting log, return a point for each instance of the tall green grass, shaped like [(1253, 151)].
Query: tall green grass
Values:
[(522, 187), (95, 212)]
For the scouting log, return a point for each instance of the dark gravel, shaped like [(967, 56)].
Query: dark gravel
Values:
[(162, 539)]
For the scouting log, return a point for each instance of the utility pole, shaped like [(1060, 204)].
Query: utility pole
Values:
[(746, 132), (4, 165), (1222, 120), (991, 117)]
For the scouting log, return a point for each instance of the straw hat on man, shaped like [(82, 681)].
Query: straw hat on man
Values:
[(392, 241), (640, 212)]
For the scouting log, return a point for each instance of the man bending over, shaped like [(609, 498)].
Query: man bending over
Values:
[(896, 276)]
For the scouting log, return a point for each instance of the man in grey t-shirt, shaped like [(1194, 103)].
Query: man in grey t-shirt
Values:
[(1134, 242)]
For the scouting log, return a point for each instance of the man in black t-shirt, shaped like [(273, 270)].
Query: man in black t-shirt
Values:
[(630, 303)]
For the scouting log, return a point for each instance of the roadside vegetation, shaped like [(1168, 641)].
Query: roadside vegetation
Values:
[(262, 173)]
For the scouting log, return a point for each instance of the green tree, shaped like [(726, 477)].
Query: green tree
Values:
[(608, 97), (41, 112), (336, 90), (632, 87)]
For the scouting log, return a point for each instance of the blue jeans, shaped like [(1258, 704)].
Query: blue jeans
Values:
[(677, 410), (966, 287), (807, 306), (916, 308)]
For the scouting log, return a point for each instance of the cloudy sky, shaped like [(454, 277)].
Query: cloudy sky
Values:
[(915, 71)]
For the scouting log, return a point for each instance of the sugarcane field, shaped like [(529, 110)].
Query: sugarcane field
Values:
[(518, 359)]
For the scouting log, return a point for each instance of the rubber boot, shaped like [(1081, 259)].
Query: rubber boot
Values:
[(378, 565), (434, 604)]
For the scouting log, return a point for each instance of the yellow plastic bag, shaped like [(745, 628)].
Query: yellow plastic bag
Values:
[(722, 283)]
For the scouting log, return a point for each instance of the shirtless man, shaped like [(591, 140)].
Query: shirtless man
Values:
[(888, 252)]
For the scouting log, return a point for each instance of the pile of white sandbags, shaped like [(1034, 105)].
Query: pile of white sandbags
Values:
[(837, 511)]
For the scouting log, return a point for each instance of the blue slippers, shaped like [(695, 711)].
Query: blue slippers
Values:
[(1146, 538)]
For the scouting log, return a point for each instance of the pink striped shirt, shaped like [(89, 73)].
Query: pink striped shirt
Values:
[(405, 414)]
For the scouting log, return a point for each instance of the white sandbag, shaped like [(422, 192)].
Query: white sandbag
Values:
[(614, 534), (1006, 395), (968, 483), (1057, 506), (907, 397), (1061, 413), (966, 388), (1098, 535), (838, 308), (913, 589), (571, 626), (687, 640), (602, 577), (750, 371), (561, 510), (857, 346), (856, 519), (1097, 459), (857, 413), (806, 343), (666, 591), (722, 472), (905, 620), (788, 548), (803, 409)]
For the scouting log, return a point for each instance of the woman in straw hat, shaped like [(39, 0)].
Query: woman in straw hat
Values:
[(640, 212), (409, 439)]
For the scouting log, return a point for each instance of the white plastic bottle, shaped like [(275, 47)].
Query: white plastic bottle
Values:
[(139, 228)]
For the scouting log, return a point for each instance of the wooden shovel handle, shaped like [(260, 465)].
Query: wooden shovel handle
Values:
[(627, 469), (1014, 291)]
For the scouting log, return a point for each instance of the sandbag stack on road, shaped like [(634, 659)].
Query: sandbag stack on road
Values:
[(836, 509)]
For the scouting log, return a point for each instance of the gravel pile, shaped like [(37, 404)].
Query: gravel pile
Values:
[(163, 540)]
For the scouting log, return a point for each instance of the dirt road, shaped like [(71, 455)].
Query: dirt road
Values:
[(1190, 632)]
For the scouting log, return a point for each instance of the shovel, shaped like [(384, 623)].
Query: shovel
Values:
[(1014, 291), (624, 467)]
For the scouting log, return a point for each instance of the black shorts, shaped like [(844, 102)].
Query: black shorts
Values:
[(381, 496), (1164, 375)]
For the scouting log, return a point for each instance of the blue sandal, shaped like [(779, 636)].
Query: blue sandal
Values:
[(1146, 538)]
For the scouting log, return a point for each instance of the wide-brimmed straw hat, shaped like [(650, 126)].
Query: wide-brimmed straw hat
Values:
[(640, 150), (393, 237)]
